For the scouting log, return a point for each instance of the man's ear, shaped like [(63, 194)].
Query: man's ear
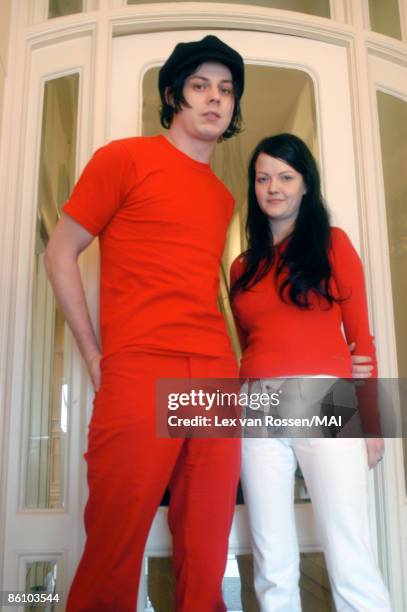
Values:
[(168, 96)]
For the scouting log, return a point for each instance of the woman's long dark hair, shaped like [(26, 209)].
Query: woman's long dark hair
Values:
[(305, 257)]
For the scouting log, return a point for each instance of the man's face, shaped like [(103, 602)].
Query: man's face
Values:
[(209, 93)]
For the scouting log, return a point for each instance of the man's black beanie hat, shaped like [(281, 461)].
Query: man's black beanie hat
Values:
[(210, 48)]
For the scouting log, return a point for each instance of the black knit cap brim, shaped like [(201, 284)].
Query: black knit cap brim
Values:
[(210, 48)]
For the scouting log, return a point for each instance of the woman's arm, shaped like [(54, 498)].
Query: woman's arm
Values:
[(348, 275)]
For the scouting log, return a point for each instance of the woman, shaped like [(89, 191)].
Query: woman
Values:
[(292, 290)]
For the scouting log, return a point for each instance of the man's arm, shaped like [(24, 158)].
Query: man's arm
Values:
[(66, 243)]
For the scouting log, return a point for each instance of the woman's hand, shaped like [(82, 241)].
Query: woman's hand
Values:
[(375, 451), (361, 364)]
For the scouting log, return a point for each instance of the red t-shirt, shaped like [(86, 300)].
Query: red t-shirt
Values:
[(280, 339), (161, 218)]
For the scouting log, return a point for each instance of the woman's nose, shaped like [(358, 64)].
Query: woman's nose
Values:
[(273, 185)]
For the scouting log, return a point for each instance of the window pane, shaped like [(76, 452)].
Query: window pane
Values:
[(41, 578), (58, 8), (49, 389), (311, 7), (393, 137), (385, 17)]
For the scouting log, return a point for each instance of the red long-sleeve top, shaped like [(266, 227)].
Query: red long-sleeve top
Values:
[(280, 339)]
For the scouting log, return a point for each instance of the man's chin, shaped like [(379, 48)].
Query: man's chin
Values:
[(212, 133)]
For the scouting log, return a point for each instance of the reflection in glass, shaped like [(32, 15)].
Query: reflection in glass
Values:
[(237, 587), (49, 390), (310, 7), (385, 17), (58, 8), (287, 104), (41, 578), (393, 138)]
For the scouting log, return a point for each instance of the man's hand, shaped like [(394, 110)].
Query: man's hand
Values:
[(361, 367), (375, 451), (93, 364)]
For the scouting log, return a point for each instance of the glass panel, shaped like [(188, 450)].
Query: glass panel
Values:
[(238, 589), (287, 104), (385, 17), (49, 388), (41, 578), (393, 138), (311, 7), (58, 8)]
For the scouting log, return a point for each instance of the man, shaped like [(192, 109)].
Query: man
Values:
[(161, 216)]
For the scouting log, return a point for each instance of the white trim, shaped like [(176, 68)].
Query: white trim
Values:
[(169, 16), (338, 11), (389, 49), (59, 557), (9, 158), (392, 508)]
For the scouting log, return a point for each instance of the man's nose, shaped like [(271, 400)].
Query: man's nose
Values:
[(213, 94)]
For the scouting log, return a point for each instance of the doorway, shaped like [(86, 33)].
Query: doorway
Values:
[(282, 94)]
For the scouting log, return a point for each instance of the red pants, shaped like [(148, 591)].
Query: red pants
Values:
[(129, 469)]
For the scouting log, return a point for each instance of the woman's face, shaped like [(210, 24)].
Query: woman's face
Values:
[(279, 189)]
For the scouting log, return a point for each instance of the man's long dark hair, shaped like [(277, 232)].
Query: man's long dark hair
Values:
[(168, 110), (304, 258)]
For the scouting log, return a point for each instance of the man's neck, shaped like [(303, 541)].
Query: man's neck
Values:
[(200, 150)]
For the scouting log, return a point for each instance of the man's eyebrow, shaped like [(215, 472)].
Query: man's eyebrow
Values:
[(198, 76)]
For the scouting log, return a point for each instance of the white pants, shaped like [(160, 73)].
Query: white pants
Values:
[(335, 471)]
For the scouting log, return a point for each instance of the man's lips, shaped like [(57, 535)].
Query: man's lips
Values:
[(211, 115)]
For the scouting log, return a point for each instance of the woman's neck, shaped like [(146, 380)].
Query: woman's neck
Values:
[(280, 230)]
